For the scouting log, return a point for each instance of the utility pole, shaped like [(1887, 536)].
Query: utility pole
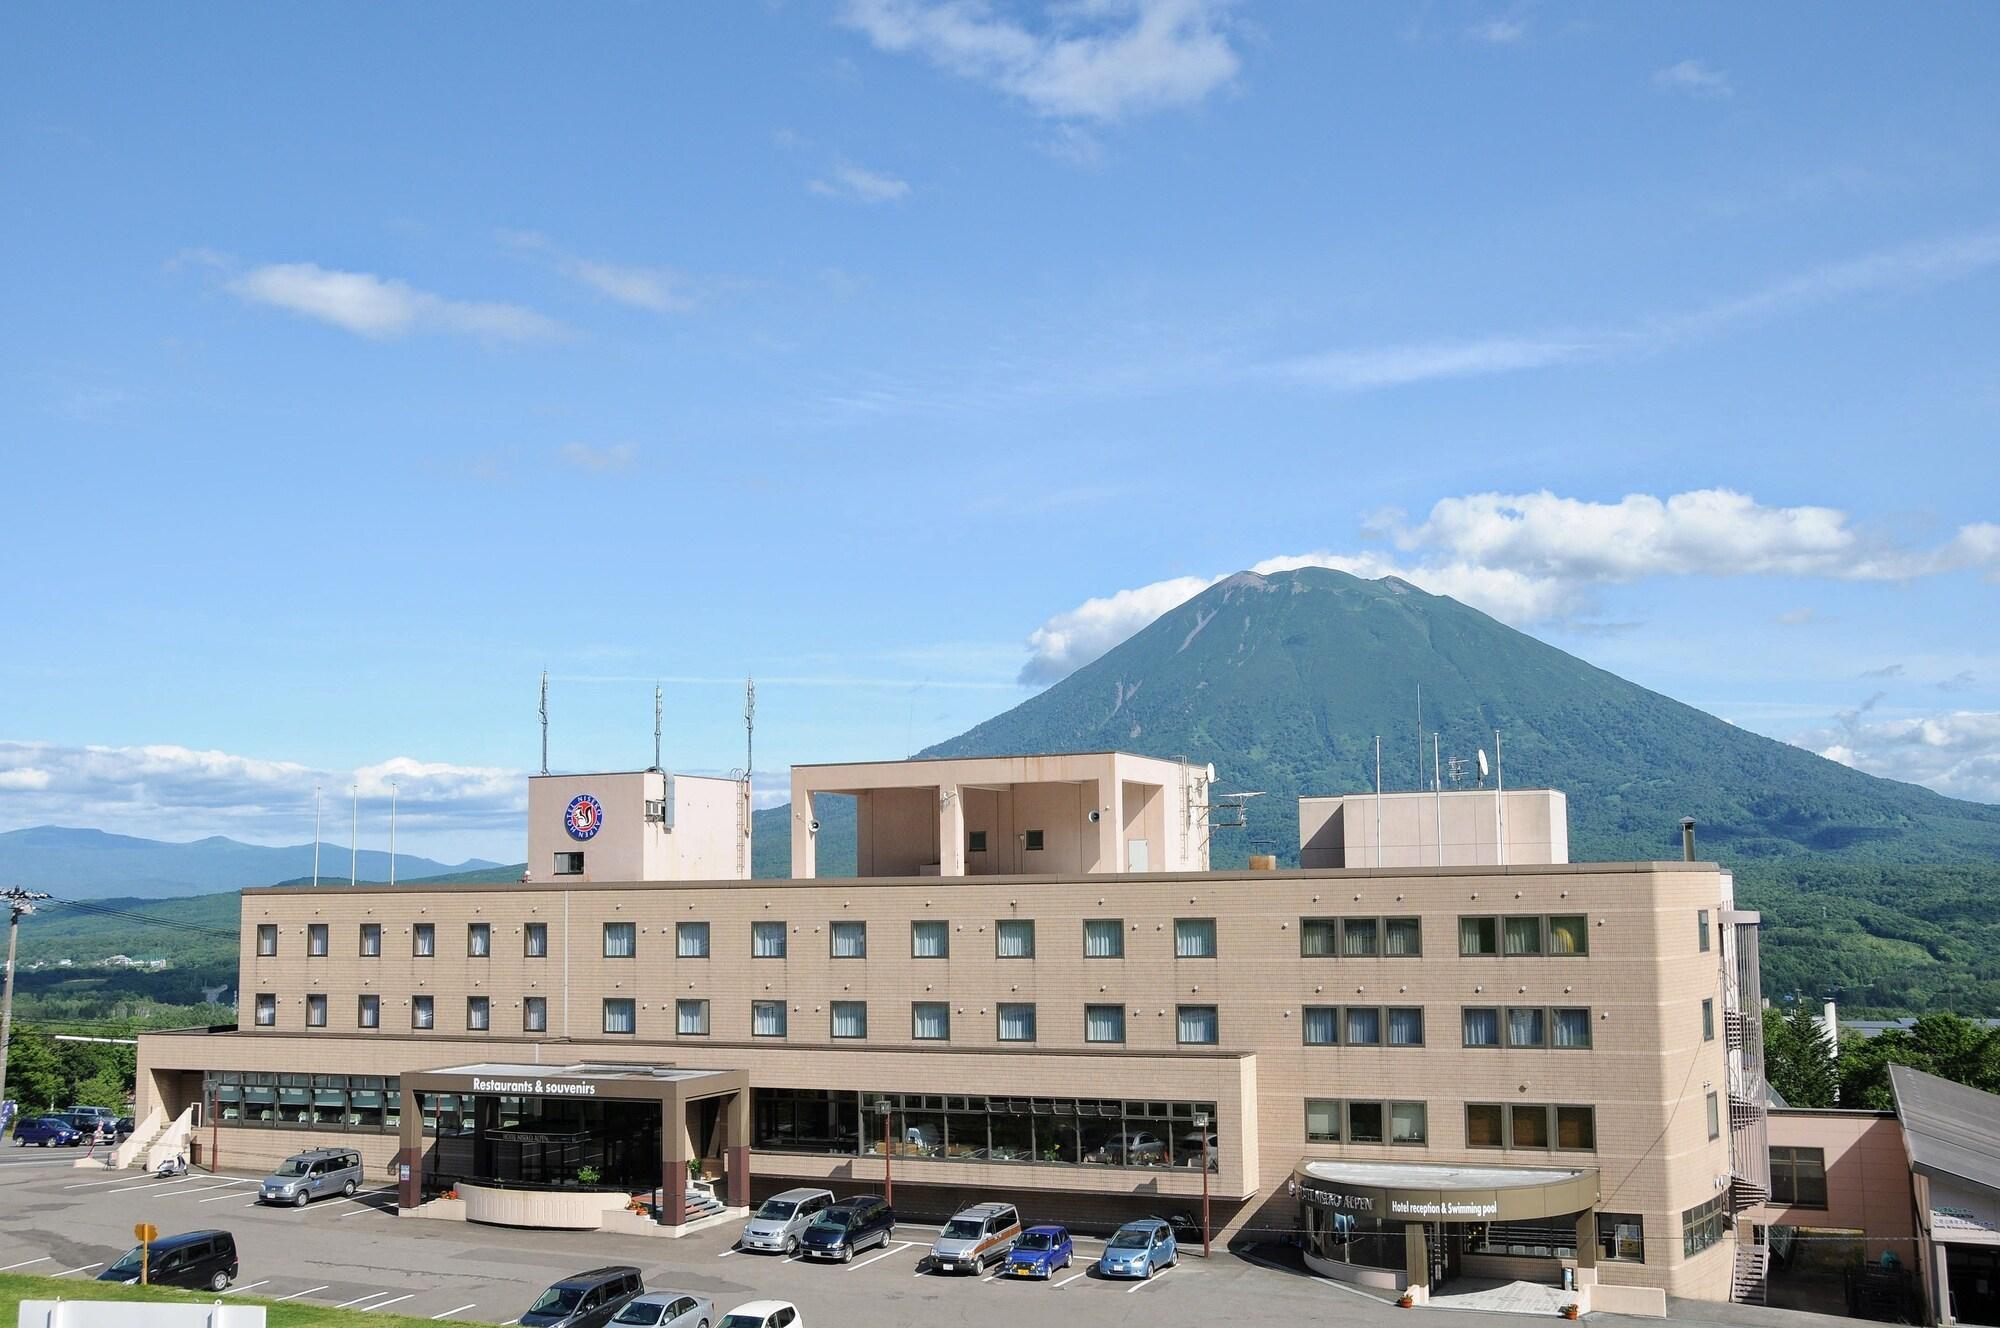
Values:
[(19, 902)]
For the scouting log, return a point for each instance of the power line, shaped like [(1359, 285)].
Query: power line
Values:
[(149, 919)]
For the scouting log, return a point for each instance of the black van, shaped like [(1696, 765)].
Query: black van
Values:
[(194, 1259), (587, 1300), (849, 1227)]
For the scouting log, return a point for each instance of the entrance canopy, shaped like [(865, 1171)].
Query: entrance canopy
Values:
[(1435, 1192), (581, 1079)]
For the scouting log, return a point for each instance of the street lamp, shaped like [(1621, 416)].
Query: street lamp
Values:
[(1201, 1123), (888, 1181)]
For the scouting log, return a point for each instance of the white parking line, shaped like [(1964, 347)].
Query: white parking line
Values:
[(218, 1198), (448, 1313), (24, 1263), (1141, 1286), (358, 1299), (892, 1249), (154, 1185), (370, 1208), (1071, 1278), (307, 1292), (210, 1189), (248, 1286), (86, 1268), (381, 1303)]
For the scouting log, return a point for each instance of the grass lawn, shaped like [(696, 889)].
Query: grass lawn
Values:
[(17, 1287)]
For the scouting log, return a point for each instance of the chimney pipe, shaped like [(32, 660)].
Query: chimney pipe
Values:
[(1687, 838)]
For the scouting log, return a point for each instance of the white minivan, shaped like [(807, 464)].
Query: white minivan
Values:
[(776, 1227)]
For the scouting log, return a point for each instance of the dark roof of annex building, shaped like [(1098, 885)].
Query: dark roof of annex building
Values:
[(1949, 1128)]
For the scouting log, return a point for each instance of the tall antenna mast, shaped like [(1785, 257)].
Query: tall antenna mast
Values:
[(354, 833), (392, 832), (1499, 801), (1437, 791), (1420, 735), (545, 721), (749, 726), (656, 726), (315, 836), (1378, 800)]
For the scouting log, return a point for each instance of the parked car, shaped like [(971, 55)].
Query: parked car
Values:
[(198, 1260), (84, 1123), (587, 1300), (45, 1130), (304, 1177), (848, 1227), (1139, 1249), (777, 1226), (975, 1238), (106, 1114), (126, 1125), (1040, 1252), (1131, 1147), (667, 1309), (764, 1314)]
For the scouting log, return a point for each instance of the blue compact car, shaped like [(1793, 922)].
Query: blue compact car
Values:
[(1040, 1252), (46, 1130), (1139, 1249)]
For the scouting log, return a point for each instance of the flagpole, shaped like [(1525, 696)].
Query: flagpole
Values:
[(315, 836)]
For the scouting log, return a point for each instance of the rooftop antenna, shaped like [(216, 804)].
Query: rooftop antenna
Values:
[(315, 836), (1378, 800), (1437, 789), (545, 721), (749, 725), (353, 833), (1420, 735), (656, 726), (1499, 803), (392, 832)]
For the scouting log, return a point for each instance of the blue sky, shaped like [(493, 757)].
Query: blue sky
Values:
[(363, 361)]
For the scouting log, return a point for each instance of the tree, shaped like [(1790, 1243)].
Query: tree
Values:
[(35, 1077), (1798, 1056), (1944, 1044), (102, 1090)]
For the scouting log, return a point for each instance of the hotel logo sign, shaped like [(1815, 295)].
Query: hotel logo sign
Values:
[(584, 817)]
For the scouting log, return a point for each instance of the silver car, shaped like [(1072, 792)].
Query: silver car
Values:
[(304, 1177), (777, 1226), (981, 1235), (667, 1309)]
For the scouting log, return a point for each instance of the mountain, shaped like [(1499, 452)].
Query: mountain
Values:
[(1284, 681), (93, 863)]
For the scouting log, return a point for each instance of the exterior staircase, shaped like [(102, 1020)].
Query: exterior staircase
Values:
[(701, 1201), (1750, 1281)]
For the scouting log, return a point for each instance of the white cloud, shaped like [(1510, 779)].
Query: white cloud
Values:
[(1498, 31), (599, 460), (846, 180), (1539, 558), (1956, 753), (382, 307), (663, 290), (1694, 79), (1094, 59), (1798, 617), (1395, 366)]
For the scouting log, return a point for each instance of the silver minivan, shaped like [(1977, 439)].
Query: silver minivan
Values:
[(777, 1226), (304, 1177)]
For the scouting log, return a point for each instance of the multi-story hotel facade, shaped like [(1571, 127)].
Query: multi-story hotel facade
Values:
[(1478, 1058)]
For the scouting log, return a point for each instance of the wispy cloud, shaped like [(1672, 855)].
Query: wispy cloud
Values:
[(1498, 31), (1099, 60), (1692, 78), (1797, 617), (383, 308), (1956, 753), (663, 290), (847, 180), (598, 460)]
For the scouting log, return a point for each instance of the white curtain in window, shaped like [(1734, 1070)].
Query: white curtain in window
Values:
[(1194, 938), (1197, 1024), (426, 942), (537, 945), (267, 1009), (1104, 1023), (850, 940), (767, 1018), (421, 1012), (619, 940), (370, 1015), (929, 940), (1357, 937), (316, 1011), (1524, 936), (1322, 1023), (1474, 937), (1482, 1028), (1402, 937), (1364, 1027), (1017, 1023), (535, 1014), (1569, 935), (371, 941), (1103, 938), (1016, 939), (930, 1020), (1572, 1028), (692, 1018), (479, 940), (767, 940), (1406, 1026), (850, 1019), (1319, 938), (1524, 1027), (619, 1017), (691, 940), (475, 1013)]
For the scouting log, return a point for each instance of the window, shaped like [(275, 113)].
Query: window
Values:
[(535, 940), (849, 940), (975, 841), (1195, 1025), (691, 940), (1014, 938), (1528, 1125), (478, 1013), (1485, 1125), (1569, 935), (1479, 936), (1103, 938), (1524, 936), (1322, 1121), (371, 940), (620, 1016), (1359, 938), (767, 940), (423, 1012), (1714, 1116), (850, 1019), (1527, 1026), (1402, 938), (1320, 1025), (569, 864), (423, 940), (1708, 1020), (620, 940), (1104, 1023), (368, 1012), (1319, 938), (535, 1014), (1798, 1177), (479, 940), (691, 1018), (1576, 1127), (1017, 1021), (316, 940), (316, 1010), (1621, 1236), (1031, 841), (1701, 925), (930, 1021), (1482, 1026), (1571, 1027), (767, 1019), (1406, 1026), (1701, 1226), (1364, 1122), (1194, 938), (1408, 1123), (267, 938), (1364, 1026)]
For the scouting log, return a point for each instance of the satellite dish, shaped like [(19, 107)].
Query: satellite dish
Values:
[(1482, 764)]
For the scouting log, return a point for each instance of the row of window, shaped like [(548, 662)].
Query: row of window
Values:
[(1523, 1125), (1014, 938)]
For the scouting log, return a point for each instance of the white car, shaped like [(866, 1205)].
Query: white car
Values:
[(763, 1314)]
